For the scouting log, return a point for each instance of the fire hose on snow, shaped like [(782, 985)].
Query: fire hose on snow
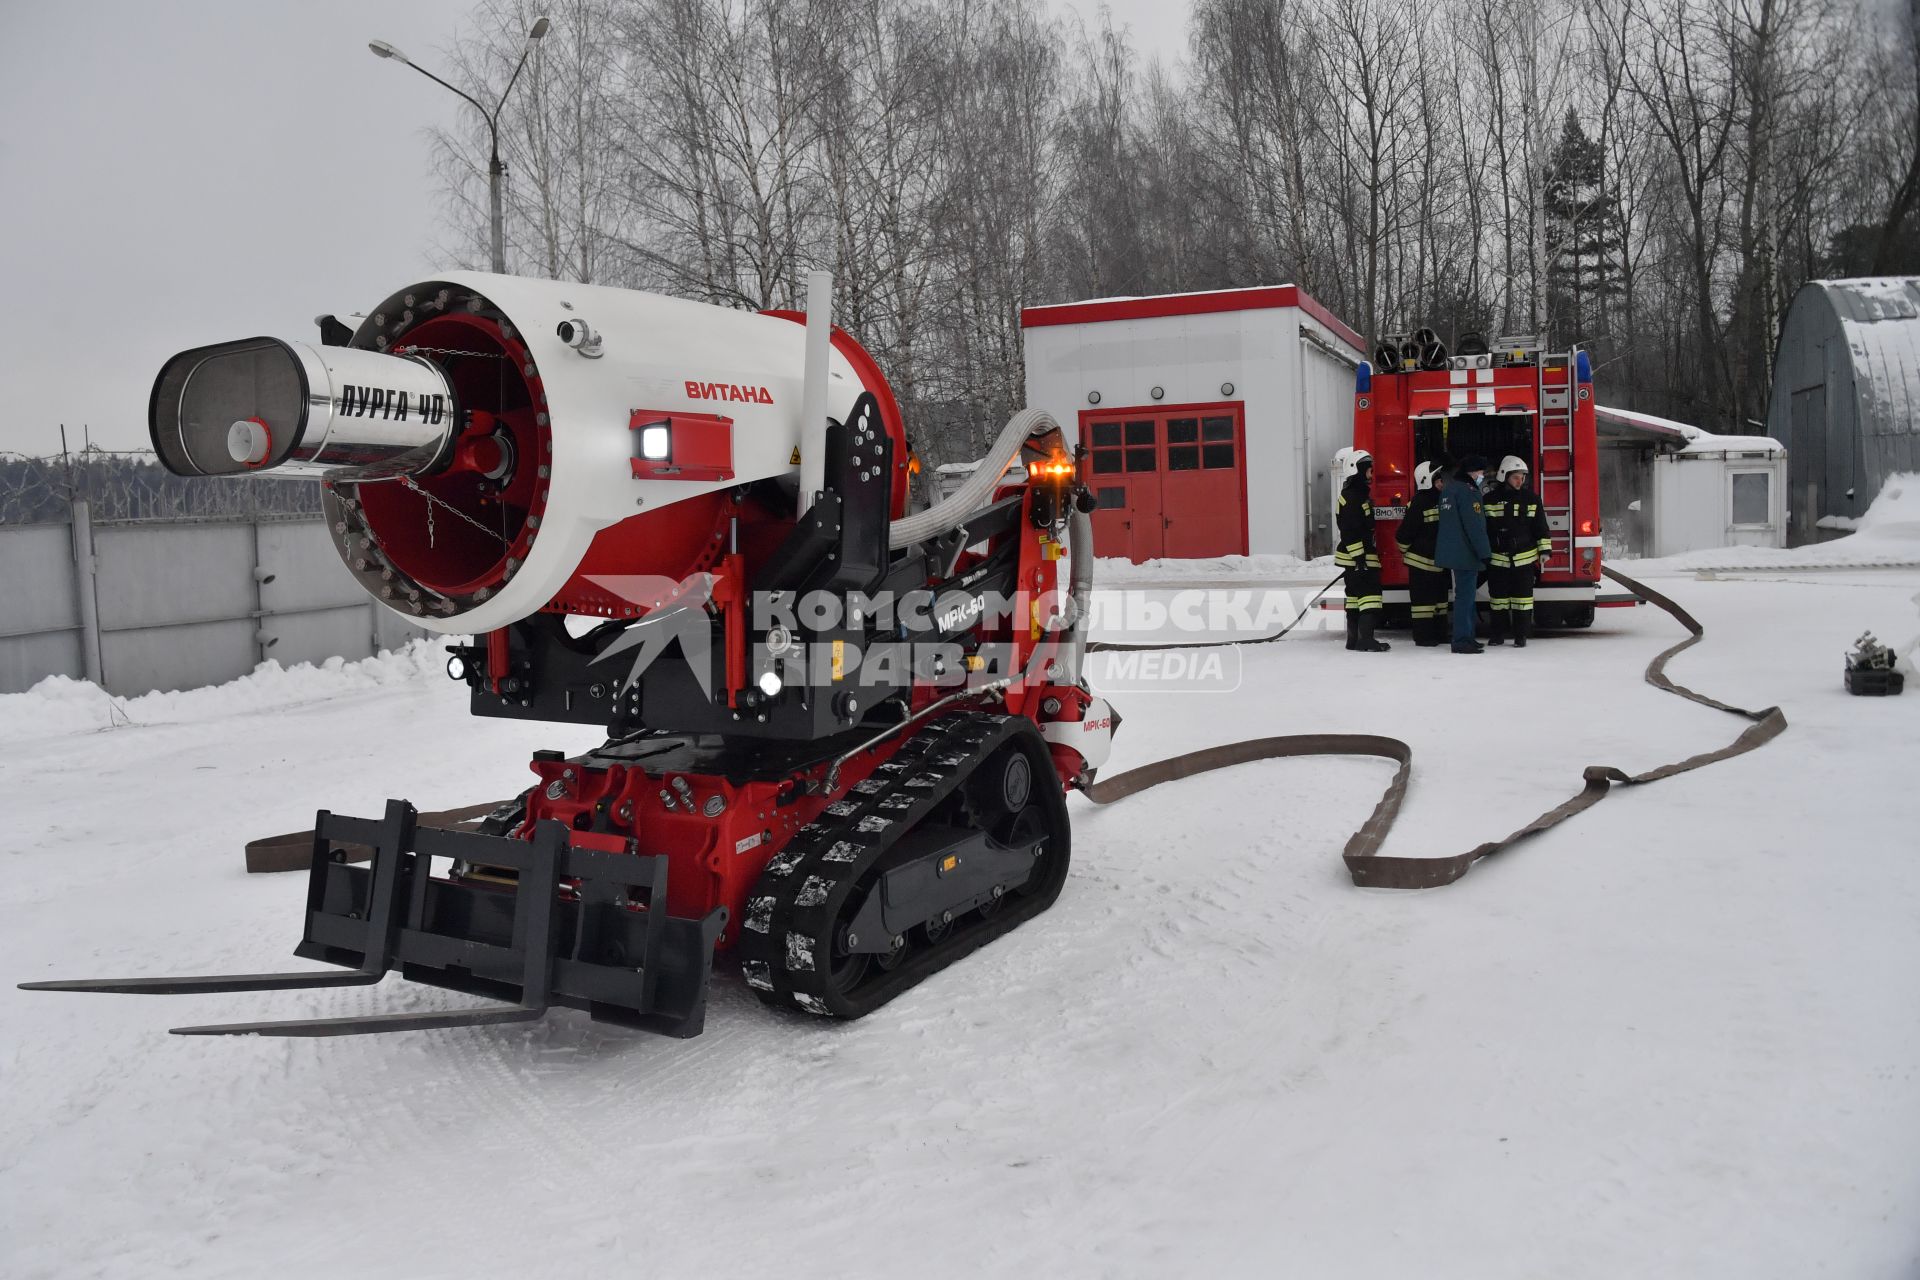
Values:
[(1368, 867)]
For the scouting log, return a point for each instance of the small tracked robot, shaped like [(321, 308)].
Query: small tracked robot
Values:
[(839, 734)]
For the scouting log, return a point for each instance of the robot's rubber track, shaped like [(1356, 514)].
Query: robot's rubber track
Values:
[(787, 939)]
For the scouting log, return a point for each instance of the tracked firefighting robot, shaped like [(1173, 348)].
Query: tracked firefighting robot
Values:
[(839, 734)]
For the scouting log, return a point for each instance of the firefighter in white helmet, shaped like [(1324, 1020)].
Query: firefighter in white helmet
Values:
[(1426, 580), (1356, 553), (1517, 530)]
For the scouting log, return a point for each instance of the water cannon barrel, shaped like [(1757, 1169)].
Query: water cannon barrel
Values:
[(489, 447), (263, 404)]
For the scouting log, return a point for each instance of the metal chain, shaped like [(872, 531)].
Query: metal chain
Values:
[(413, 349), (433, 502), (408, 481)]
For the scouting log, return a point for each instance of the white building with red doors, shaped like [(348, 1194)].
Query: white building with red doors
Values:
[(1210, 418)]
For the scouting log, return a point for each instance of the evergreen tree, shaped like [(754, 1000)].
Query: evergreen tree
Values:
[(1584, 236)]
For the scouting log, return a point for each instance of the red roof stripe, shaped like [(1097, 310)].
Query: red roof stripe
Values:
[(1188, 304), (1311, 305)]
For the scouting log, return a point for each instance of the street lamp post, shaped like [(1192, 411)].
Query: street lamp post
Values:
[(496, 168)]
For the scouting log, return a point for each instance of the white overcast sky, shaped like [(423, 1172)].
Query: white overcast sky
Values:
[(176, 173)]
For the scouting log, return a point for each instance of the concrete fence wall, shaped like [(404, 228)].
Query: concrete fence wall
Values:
[(168, 604)]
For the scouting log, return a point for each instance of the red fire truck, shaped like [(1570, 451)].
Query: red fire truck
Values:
[(1422, 404)]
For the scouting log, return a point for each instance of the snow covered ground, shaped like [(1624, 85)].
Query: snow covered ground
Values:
[(1679, 1036), (1888, 535), (1275, 568)]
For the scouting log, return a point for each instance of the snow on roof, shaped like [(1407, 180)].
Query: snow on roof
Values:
[(1697, 441), (1871, 299), (1192, 293), (1880, 317), (1662, 428)]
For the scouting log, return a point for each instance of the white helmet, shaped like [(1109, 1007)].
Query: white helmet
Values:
[(1510, 464), (1423, 475), (1348, 462)]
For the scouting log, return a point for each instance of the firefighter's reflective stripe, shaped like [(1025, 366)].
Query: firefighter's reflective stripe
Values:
[(1510, 583), (1352, 555), (1363, 588), (1354, 519), (1520, 537), (1427, 604), (1418, 535)]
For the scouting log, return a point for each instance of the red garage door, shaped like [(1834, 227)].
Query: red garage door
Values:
[(1170, 481)]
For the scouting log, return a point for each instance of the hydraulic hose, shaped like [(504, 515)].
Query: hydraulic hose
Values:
[(1080, 591), (974, 491)]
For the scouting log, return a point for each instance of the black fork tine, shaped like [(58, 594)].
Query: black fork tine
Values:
[(186, 985), (370, 1024), (394, 899)]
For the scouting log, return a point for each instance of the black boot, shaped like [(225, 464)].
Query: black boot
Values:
[(1497, 626), (1353, 629), (1367, 643), (1521, 620)]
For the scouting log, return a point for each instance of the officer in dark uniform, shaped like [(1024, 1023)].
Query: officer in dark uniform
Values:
[(1517, 530), (1426, 580), (1356, 553), (1462, 548)]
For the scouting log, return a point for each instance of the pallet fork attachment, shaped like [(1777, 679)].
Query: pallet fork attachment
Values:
[(578, 927)]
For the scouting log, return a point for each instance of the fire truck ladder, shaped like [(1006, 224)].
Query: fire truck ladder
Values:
[(1553, 445)]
